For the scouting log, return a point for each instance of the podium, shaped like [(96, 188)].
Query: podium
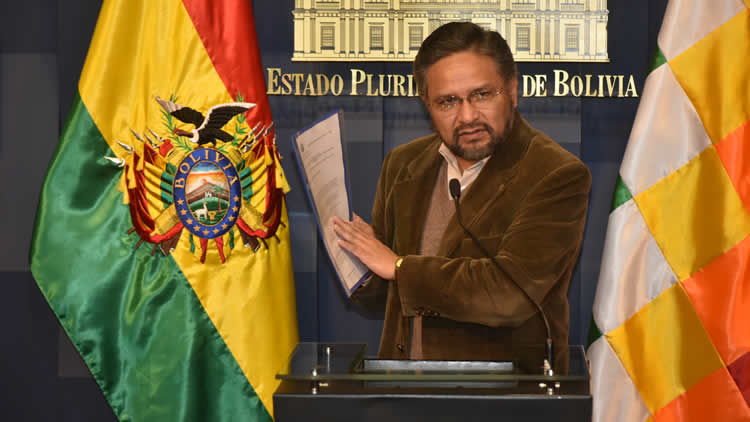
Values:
[(337, 382)]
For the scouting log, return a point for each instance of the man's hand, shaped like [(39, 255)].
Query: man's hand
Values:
[(357, 237)]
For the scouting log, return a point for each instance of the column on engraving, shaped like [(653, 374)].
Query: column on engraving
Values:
[(306, 26), (547, 36), (509, 37), (299, 27), (587, 38), (391, 36), (434, 23), (401, 34), (538, 40), (351, 32), (361, 33), (342, 36), (558, 35), (595, 49), (313, 44)]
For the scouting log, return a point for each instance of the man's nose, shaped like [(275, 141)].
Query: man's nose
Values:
[(467, 112)]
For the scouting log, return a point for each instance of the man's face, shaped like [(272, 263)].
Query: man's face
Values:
[(471, 128)]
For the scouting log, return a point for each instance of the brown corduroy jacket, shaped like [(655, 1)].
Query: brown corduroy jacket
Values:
[(527, 207)]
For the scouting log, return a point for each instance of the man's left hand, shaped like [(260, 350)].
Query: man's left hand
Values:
[(357, 237)]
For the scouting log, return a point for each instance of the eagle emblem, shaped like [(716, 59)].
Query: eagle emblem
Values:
[(204, 182)]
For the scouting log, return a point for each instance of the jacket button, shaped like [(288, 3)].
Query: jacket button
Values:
[(400, 347)]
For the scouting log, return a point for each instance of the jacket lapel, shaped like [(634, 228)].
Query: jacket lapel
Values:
[(488, 187), (412, 197)]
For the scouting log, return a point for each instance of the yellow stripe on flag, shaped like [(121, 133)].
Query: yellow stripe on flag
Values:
[(250, 298), (246, 301), (694, 214), (119, 90), (715, 74), (664, 348)]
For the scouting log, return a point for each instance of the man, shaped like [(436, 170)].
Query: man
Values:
[(523, 196)]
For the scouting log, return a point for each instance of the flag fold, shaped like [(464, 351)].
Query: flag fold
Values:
[(161, 240)]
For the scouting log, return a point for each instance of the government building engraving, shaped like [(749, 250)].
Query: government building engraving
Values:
[(393, 30)]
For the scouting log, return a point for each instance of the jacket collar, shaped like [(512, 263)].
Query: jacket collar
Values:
[(489, 186), (413, 193)]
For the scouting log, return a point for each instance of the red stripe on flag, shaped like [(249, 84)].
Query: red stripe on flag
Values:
[(227, 30)]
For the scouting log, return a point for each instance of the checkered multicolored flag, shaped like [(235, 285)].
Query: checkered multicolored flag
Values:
[(671, 334)]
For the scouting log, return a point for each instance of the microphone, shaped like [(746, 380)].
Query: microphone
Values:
[(455, 189)]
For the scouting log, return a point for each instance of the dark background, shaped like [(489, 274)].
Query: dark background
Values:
[(43, 44)]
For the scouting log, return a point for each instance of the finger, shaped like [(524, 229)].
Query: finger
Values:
[(354, 248), (346, 245), (348, 232), (353, 227), (362, 225), (339, 222), (342, 229)]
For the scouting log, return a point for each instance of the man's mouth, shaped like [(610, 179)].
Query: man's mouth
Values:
[(471, 131)]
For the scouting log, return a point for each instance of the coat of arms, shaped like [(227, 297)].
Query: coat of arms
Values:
[(203, 182)]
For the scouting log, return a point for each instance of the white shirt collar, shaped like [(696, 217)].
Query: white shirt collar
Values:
[(454, 170)]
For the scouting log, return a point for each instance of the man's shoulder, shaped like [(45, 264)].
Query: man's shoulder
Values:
[(414, 149), (546, 153)]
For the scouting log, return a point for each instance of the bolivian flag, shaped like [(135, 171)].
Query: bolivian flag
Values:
[(672, 305), (161, 240)]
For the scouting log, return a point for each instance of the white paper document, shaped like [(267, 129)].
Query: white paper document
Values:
[(320, 155)]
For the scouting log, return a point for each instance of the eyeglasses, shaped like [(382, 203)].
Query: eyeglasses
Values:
[(479, 98)]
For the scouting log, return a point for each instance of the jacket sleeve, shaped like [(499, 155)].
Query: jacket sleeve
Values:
[(538, 250), (372, 294)]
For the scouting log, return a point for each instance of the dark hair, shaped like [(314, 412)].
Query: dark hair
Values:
[(456, 37)]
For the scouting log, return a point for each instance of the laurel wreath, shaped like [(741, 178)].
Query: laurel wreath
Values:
[(240, 126), (178, 141)]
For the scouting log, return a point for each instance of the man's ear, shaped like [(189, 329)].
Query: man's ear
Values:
[(425, 101), (514, 91)]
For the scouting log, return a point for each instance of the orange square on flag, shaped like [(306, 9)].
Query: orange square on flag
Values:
[(734, 151), (721, 297), (694, 214), (664, 348), (715, 74), (715, 398)]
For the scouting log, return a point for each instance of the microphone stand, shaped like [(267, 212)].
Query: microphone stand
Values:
[(455, 191)]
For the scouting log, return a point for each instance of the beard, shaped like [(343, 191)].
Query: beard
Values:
[(476, 154)]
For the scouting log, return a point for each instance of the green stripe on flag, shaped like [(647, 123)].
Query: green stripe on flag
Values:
[(657, 60), (133, 317), (594, 332), (621, 194)]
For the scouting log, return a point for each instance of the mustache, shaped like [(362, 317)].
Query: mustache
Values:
[(470, 127)]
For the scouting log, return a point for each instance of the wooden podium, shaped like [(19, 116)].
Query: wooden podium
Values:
[(336, 382)]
